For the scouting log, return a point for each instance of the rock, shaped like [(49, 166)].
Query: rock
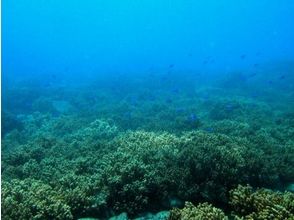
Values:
[(163, 215), (290, 187), (122, 216)]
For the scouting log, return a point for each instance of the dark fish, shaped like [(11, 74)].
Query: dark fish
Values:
[(28, 104), (175, 90), (152, 98), (252, 75), (270, 82), (151, 75), (171, 66), (92, 99), (243, 56), (282, 77), (205, 62), (47, 84), (256, 65), (169, 100), (134, 101), (127, 115), (164, 78), (229, 107), (180, 110), (254, 95)]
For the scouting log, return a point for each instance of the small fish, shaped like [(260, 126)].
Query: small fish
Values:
[(151, 75), (282, 77), (164, 78), (175, 90), (28, 104), (171, 66), (92, 99), (180, 110), (127, 115), (192, 117), (134, 101), (209, 129), (47, 84), (270, 82), (205, 62), (252, 75), (254, 95), (229, 107), (152, 98), (243, 56), (256, 65), (169, 100)]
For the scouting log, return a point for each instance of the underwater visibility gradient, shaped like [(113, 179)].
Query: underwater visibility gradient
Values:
[(147, 110)]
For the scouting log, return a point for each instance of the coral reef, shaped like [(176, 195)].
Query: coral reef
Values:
[(146, 150)]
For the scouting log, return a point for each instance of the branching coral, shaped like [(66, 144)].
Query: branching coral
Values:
[(203, 211), (31, 199), (262, 204)]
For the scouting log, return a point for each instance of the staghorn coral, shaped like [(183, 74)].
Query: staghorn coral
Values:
[(202, 211), (262, 204)]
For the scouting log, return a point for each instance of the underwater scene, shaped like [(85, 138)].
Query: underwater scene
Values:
[(147, 110)]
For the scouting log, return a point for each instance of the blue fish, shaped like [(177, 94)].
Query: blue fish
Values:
[(175, 90), (192, 117), (252, 75), (209, 129), (229, 107), (243, 56), (180, 110), (169, 100)]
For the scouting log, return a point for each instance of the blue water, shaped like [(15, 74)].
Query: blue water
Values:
[(131, 108), (77, 38)]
